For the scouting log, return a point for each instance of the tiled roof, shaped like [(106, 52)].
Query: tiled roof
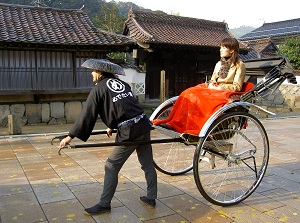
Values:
[(259, 45), (261, 48), (151, 27), (28, 24), (275, 29), (252, 54)]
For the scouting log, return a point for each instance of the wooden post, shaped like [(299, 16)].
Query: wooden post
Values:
[(14, 125), (162, 86)]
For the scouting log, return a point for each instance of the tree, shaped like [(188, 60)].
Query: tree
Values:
[(291, 49), (109, 18)]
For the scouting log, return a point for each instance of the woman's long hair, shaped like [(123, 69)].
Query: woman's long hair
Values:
[(232, 44)]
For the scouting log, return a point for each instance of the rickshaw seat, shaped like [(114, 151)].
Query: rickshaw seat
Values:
[(247, 86), (195, 110)]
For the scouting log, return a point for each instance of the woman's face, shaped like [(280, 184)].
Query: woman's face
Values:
[(225, 52), (96, 75)]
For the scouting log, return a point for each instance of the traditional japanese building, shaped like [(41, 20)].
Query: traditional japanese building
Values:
[(42, 49), (266, 39), (187, 49)]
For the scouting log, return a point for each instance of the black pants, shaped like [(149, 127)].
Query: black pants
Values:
[(131, 132)]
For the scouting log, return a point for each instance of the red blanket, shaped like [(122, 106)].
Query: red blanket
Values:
[(195, 105)]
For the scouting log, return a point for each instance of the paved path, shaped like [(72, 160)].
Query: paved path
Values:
[(38, 185)]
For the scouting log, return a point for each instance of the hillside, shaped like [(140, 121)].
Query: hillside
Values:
[(238, 32), (109, 16)]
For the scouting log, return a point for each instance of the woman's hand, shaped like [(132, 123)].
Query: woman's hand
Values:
[(214, 86), (234, 98), (65, 141), (109, 132)]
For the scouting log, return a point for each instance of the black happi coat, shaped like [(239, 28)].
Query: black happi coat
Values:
[(113, 100)]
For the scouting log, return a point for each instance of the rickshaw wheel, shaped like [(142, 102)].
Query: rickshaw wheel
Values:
[(174, 158), (231, 159)]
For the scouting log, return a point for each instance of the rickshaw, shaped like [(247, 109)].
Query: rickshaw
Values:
[(230, 155)]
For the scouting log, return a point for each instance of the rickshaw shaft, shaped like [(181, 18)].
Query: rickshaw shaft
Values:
[(154, 141)]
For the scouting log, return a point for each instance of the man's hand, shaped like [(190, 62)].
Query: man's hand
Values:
[(109, 132), (65, 141)]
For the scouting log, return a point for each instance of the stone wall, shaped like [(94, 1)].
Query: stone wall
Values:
[(48, 113), (285, 99)]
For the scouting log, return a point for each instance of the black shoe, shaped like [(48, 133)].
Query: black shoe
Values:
[(148, 202), (97, 209)]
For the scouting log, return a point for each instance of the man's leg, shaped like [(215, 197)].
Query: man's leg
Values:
[(145, 157), (113, 165)]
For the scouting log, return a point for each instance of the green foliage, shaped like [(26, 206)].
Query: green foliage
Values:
[(107, 15), (118, 55), (20, 2), (109, 18), (291, 49), (91, 7), (124, 8)]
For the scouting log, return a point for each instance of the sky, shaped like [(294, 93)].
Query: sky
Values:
[(235, 13)]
